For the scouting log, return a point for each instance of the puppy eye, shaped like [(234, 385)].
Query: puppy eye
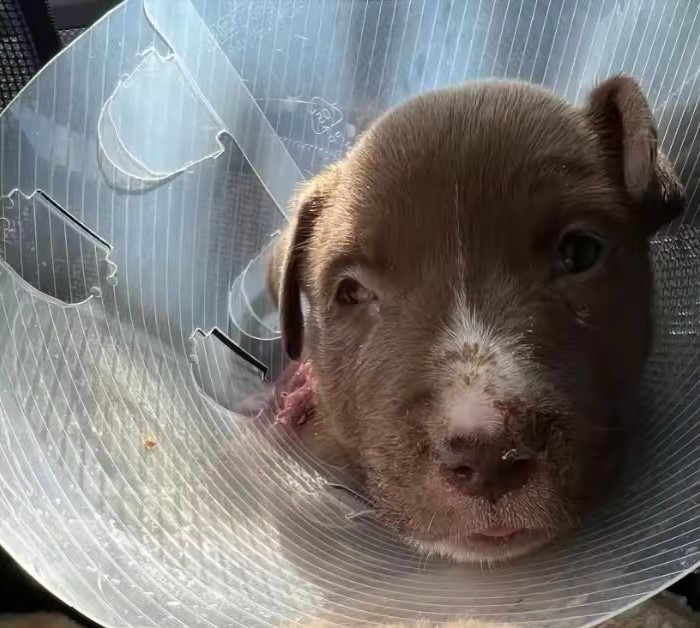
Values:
[(352, 292), (579, 252)]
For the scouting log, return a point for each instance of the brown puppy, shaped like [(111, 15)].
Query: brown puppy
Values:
[(479, 288)]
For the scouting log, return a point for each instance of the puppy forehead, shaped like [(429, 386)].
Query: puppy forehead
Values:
[(422, 195), (494, 120), (469, 171)]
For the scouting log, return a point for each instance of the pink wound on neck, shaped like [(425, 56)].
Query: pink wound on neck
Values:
[(295, 399)]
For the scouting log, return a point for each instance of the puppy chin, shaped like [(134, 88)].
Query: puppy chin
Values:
[(467, 551)]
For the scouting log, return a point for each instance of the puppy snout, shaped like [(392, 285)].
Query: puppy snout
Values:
[(469, 412), (486, 470)]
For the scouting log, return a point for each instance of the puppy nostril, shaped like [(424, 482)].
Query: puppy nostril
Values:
[(457, 453), (466, 473), (516, 474), (483, 470)]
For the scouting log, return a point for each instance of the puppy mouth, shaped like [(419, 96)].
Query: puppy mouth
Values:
[(502, 537), (492, 545)]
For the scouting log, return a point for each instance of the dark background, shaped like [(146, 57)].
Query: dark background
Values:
[(31, 33)]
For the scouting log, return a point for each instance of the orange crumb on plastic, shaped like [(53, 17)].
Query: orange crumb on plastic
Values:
[(150, 443)]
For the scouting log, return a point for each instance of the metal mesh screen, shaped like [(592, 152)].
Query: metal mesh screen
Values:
[(18, 56)]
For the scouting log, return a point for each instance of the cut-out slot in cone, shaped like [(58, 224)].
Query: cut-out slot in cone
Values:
[(250, 307), (135, 128), (51, 251)]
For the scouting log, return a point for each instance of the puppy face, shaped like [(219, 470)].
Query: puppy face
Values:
[(479, 293)]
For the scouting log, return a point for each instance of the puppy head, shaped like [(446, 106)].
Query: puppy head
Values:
[(479, 291)]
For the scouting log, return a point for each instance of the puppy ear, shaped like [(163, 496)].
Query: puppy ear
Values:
[(622, 118), (288, 258)]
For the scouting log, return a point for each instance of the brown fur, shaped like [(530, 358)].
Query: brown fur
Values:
[(467, 191), (660, 612), (37, 620)]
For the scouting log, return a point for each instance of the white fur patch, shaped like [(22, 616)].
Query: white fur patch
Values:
[(483, 368), (465, 554), (469, 411), (447, 550)]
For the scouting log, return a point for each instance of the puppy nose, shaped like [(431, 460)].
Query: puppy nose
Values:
[(485, 470), (469, 412)]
